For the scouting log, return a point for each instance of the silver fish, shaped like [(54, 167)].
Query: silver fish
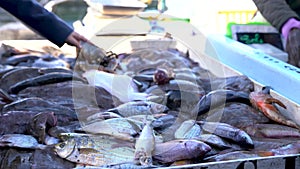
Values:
[(227, 131), (20, 141), (117, 127), (95, 151), (145, 145), (139, 108)]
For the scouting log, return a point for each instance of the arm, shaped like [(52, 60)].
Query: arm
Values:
[(277, 12), (39, 19)]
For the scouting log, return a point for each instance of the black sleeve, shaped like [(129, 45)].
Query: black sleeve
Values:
[(277, 12), (39, 19)]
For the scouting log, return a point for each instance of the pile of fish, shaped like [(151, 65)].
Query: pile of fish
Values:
[(145, 109)]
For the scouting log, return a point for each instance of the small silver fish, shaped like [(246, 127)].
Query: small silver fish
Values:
[(145, 145), (20, 141), (139, 108), (95, 151)]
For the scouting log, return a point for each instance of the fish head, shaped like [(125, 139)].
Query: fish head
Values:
[(196, 148), (65, 149), (146, 161), (257, 98), (245, 140)]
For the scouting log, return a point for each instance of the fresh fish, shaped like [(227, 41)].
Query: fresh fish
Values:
[(217, 98), (272, 131), (4, 69), (42, 80), (293, 148), (91, 57), (73, 95), (264, 102), (181, 100), (16, 121), (17, 59), (236, 114), (216, 141), (117, 127), (235, 83), (15, 76), (49, 61), (145, 145), (229, 132), (139, 108), (63, 114), (181, 85), (163, 122), (188, 130), (95, 151), (23, 73), (6, 97), (176, 150), (121, 86), (20, 141), (234, 155)]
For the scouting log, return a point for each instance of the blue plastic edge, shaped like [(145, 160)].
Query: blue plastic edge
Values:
[(265, 69)]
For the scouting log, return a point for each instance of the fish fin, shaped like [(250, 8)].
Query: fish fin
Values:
[(273, 100)]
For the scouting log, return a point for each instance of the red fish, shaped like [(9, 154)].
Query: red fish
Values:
[(264, 102)]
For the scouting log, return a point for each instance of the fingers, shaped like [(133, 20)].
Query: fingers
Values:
[(75, 38)]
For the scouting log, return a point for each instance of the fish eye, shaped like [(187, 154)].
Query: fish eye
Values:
[(62, 145)]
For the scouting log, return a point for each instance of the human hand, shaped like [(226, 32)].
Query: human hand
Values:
[(293, 47), (290, 24), (74, 39)]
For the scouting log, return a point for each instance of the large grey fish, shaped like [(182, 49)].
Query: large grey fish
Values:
[(176, 150), (272, 131), (63, 114), (227, 131), (49, 78), (217, 98), (18, 74), (216, 141)]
